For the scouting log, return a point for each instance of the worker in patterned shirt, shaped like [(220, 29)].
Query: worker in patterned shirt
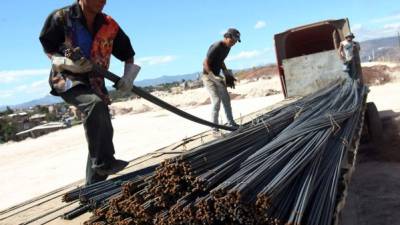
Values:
[(83, 25)]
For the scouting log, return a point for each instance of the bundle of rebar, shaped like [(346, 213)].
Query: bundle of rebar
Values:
[(281, 168), (192, 172), (98, 195)]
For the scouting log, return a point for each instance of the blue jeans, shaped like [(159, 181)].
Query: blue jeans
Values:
[(215, 86)]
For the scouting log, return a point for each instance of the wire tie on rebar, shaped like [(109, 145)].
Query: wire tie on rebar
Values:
[(266, 125), (297, 114), (345, 142), (335, 126), (227, 182), (184, 145), (253, 123)]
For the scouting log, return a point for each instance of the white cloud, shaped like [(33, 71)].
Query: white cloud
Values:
[(392, 26), (39, 83), (263, 59), (37, 88), (21, 88), (387, 19), (388, 26), (244, 55), (8, 76), (155, 60), (363, 33), (357, 26), (246, 59), (5, 94), (260, 24)]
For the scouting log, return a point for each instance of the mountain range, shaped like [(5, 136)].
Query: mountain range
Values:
[(50, 99), (382, 49), (166, 79)]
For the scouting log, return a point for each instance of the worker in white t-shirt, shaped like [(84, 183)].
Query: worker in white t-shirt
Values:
[(347, 52)]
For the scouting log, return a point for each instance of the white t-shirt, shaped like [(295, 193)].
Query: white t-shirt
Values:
[(348, 48)]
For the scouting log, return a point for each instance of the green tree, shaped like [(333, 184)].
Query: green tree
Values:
[(8, 129), (51, 117), (9, 110), (42, 109)]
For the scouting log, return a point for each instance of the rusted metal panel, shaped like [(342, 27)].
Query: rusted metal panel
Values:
[(310, 73), (309, 39)]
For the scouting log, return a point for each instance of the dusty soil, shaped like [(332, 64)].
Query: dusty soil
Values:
[(256, 73), (374, 193), (378, 73)]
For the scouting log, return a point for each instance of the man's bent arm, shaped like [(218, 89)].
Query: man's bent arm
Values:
[(130, 61), (206, 66), (224, 67), (340, 51)]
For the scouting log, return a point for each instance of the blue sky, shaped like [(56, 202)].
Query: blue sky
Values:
[(171, 37)]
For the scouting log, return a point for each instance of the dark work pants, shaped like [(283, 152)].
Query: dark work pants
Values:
[(98, 129), (352, 69)]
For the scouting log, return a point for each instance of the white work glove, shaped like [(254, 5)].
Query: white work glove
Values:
[(130, 73), (211, 76), (61, 63), (218, 80)]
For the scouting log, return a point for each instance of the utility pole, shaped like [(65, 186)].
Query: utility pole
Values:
[(373, 54), (398, 36)]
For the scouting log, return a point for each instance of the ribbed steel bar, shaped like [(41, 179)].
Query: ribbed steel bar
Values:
[(283, 167)]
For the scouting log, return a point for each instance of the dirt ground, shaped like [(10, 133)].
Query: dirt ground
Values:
[(374, 192)]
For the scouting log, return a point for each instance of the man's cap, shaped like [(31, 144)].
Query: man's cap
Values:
[(233, 33), (349, 35)]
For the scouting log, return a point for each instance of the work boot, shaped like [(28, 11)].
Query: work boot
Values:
[(233, 124), (114, 167)]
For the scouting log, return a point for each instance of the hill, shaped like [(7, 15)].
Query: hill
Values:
[(166, 79), (381, 49), (46, 100), (257, 72), (49, 99)]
